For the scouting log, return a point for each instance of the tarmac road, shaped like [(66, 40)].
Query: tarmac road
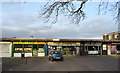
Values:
[(70, 63)]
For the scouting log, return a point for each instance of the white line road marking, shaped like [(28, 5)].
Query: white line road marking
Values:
[(10, 69)]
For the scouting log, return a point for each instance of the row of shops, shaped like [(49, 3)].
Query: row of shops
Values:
[(38, 48)]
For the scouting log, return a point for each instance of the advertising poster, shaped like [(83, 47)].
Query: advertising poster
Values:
[(104, 47), (113, 47)]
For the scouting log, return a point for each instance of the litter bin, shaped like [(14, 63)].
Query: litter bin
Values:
[(22, 54)]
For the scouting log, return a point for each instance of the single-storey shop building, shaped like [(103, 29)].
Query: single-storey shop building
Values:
[(31, 47)]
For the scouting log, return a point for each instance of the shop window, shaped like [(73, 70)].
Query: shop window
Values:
[(41, 48), (27, 48), (104, 47), (64, 50), (113, 48), (110, 37), (92, 48), (118, 47), (116, 35), (18, 48), (70, 50)]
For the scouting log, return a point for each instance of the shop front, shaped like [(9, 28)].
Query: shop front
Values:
[(29, 49), (92, 48), (67, 48), (111, 48), (114, 48)]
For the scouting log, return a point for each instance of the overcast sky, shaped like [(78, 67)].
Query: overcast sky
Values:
[(22, 20)]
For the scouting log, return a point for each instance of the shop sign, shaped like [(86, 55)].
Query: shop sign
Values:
[(28, 42), (64, 43), (50, 42), (109, 45), (56, 39), (92, 52), (92, 44), (5, 43)]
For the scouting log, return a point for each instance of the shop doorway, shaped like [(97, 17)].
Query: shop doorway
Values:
[(118, 49), (35, 50)]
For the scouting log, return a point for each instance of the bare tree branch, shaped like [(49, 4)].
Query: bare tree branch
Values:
[(106, 7), (67, 8), (52, 11)]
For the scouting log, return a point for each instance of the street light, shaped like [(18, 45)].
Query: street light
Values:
[(31, 36)]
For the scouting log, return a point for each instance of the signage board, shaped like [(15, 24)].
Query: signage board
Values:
[(28, 42), (92, 52), (56, 39), (64, 43)]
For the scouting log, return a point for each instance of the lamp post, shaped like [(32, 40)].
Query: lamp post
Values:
[(14, 37), (31, 36)]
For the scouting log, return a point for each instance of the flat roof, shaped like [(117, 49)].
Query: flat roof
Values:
[(112, 33), (55, 40)]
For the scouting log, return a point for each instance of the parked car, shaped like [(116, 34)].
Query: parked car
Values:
[(55, 55)]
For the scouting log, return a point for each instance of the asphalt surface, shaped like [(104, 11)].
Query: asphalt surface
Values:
[(70, 63), (13, 61)]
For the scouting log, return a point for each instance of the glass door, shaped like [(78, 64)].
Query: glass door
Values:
[(35, 48)]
